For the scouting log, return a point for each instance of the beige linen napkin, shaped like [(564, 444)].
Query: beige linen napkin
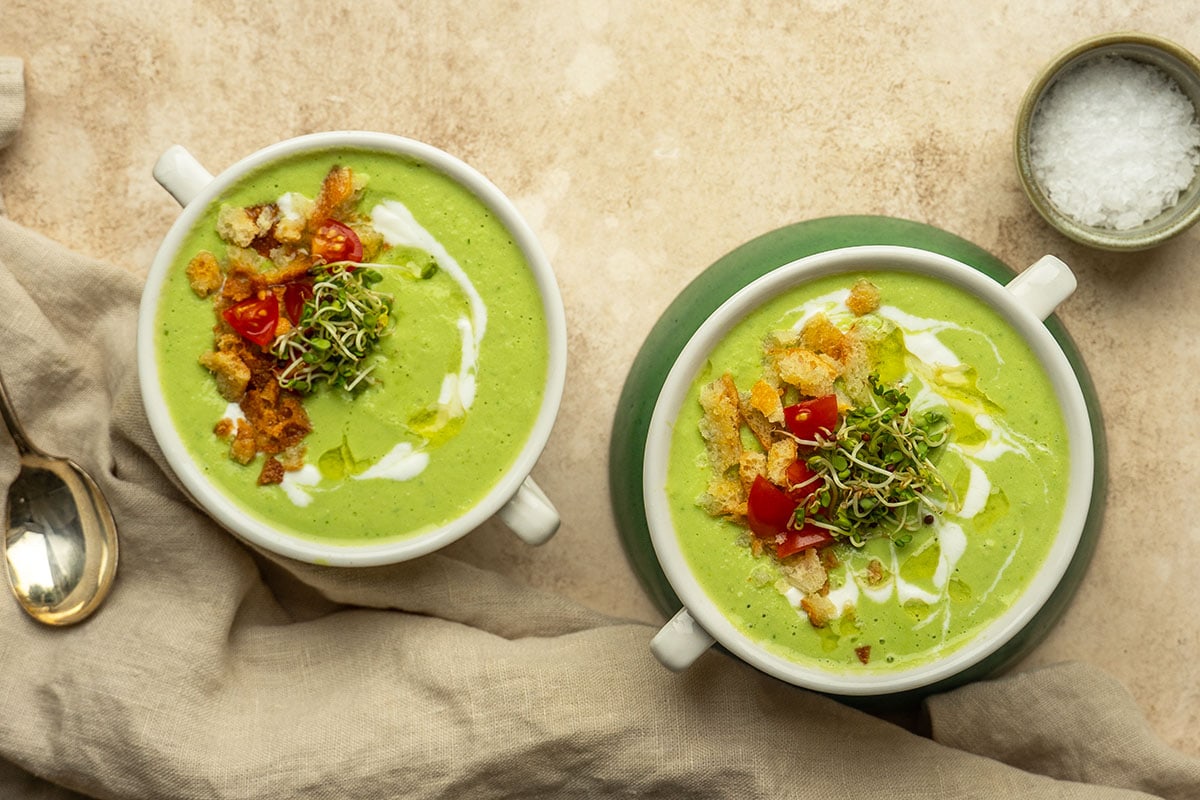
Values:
[(214, 671)]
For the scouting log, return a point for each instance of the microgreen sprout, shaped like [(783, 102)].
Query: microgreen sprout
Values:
[(877, 476), (337, 330)]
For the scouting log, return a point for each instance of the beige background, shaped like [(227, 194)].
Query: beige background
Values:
[(643, 141)]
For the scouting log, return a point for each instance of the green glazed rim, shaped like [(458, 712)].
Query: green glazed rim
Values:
[(720, 281)]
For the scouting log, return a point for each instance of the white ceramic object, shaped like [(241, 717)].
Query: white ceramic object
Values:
[(515, 499), (1024, 303)]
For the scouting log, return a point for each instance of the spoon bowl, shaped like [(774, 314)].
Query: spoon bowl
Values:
[(60, 538)]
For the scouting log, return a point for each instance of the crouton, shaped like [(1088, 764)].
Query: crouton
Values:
[(231, 373), (759, 425), (339, 191), (241, 276), (819, 609), (876, 574), (864, 297), (293, 270), (765, 399), (812, 373), (265, 217), (271, 473), (856, 368), (294, 212), (278, 417), (243, 450), (204, 274), (724, 497), (236, 226), (781, 340), (245, 227), (805, 571), (721, 425), (752, 465), (781, 456), (292, 458), (224, 428), (822, 336)]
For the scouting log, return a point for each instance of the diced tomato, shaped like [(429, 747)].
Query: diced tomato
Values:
[(799, 473), (768, 508), (334, 241), (806, 537), (254, 319), (807, 418), (295, 295)]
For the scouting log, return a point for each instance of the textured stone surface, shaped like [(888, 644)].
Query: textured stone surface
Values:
[(643, 141)]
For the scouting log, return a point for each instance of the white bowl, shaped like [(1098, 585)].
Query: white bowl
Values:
[(1024, 304), (515, 497)]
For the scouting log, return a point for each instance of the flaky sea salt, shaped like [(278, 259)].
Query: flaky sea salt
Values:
[(1114, 143)]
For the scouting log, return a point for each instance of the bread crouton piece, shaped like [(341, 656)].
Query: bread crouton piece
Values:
[(781, 456), (856, 368), (293, 457), (752, 465), (721, 424), (231, 373), (820, 335), (762, 410), (243, 450), (864, 297), (812, 373), (294, 212), (292, 270), (204, 274), (241, 275), (819, 609), (278, 417), (805, 571), (339, 192), (783, 339), (764, 398), (763, 431), (243, 226), (724, 497), (271, 473)]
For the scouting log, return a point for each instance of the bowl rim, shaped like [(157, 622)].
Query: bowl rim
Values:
[(687, 366), (1097, 46), (329, 552)]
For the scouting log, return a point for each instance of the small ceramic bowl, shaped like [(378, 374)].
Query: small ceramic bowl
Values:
[(1023, 304), (1177, 63), (514, 497)]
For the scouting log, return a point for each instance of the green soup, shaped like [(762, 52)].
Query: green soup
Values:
[(1006, 462), (469, 342)]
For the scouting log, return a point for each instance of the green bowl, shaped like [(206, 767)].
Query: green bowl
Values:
[(1177, 63)]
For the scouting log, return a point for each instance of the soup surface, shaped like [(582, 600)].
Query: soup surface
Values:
[(890, 599), (455, 384)]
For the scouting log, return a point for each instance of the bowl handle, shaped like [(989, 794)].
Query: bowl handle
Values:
[(180, 173), (530, 514), (680, 642), (1043, 285)]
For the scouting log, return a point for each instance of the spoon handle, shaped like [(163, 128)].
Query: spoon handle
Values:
[(12, 423)]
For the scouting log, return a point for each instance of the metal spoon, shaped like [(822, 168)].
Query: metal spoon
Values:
[(61, 539)]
